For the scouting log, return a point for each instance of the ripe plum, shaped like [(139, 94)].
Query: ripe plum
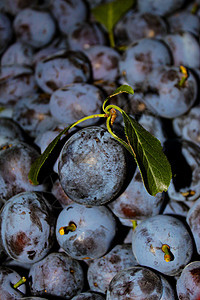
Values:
[(163, 243), (56, 275), (76, 101), (61, 68), (92, 166), (85, 231), (27, 227)]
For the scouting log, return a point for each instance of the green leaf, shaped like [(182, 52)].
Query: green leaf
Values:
[(38, 163), (109, 14), (148, 153), (122, 89)]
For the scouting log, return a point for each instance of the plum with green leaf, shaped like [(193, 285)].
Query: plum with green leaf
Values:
[(153, 164), (92, 166)]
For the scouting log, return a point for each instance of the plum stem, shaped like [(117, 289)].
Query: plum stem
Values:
[(168, 255), (66, 229), (19, 283), (184, 76), (111, 38), (134, 222)]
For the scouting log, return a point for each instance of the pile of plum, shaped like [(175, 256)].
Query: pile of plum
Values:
[(90, 230)]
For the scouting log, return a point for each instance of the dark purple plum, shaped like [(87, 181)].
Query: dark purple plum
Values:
[(68, 13), (76, 101), (15, 162), (187, 126), (56, 275), (59, 42), (135, 25), (13, 7), (16, 82), (104, 61), (86, 34), (184, 21), (27, 227), (140, 58), (135, 203), (18, 54), (166, 96), (92, 166), (33, 114), (162, 243), (10, 131), (85, 232), (188, 284), (179, 43), (158, 7), (139, 283), (102, 270), (61, 68), (34, 27)]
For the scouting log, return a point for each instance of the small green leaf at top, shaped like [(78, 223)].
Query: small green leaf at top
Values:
[(148, 153), (122, 89), (110, 13)]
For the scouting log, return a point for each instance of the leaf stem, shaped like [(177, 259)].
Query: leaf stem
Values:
[(111, 38), (113, 106), (108, 121), (87, 118)]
